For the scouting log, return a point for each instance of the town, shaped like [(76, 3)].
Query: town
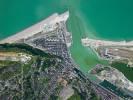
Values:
[(47, 70)]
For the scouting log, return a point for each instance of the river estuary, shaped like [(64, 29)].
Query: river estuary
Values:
[(104, 19)]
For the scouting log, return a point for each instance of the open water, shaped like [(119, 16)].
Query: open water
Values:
[(104, 19)]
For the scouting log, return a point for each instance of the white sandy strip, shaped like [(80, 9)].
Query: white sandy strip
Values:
[(97, 43), (36, 28), (29, 31)]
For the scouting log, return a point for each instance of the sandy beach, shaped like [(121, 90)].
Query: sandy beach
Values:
[(96, 43), (53, 19)]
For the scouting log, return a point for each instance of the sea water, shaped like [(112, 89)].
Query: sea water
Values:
[(103, 19)]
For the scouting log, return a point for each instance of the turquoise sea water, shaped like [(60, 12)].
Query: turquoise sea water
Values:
[(106, 19)]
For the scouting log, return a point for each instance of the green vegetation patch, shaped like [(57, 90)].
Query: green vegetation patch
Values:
[(6, 63), (122, 67), (20, 47), (39, 59), (75, 96), (30, 76), (9, 70)]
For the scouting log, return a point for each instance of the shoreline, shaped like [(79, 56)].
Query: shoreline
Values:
[(36, 28), (95, 43)]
